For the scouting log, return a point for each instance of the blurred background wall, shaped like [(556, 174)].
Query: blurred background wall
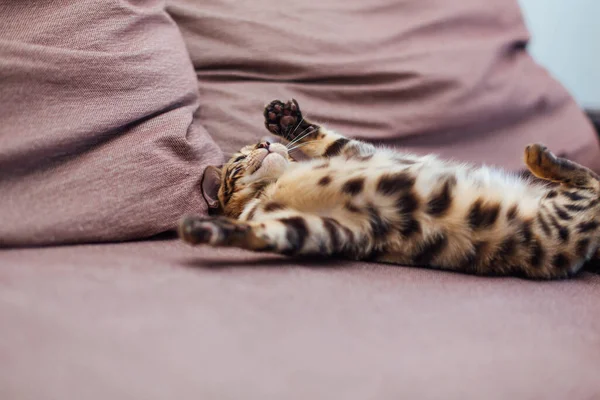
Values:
[(566, 40)]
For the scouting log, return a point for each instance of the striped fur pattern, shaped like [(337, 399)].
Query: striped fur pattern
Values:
[(357, 201)]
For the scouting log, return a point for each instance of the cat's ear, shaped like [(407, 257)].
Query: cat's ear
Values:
[(211, 182)]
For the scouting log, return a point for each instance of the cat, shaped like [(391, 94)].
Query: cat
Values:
[(353, 200)]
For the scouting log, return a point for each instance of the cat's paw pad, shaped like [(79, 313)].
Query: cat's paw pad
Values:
[(286, 120), (219, 231)]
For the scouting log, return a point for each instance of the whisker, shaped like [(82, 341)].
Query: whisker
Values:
[(302, 135), (297, 125), (299, 141), (300, 145)]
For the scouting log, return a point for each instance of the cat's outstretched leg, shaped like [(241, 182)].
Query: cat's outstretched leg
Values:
[(292, 233), (286, 120), (545, 165)]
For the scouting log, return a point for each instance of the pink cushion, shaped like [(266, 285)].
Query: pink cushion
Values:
[(450, 77), (97, 140)]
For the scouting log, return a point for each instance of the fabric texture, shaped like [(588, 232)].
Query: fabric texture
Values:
[(450, 77), (98, 142), (97, 137), (161, 320)]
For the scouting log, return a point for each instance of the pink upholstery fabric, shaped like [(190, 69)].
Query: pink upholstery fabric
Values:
[(97, 142), (450, 77), (97, 137), (160, 320)]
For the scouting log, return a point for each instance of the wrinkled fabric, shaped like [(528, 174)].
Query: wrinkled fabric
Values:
[(448, 77), (97, 136), (162, 320), (103, 136)]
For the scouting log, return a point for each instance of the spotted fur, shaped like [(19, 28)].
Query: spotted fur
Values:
[(357, 201)]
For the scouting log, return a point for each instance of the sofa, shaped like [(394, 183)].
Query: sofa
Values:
[(111, 111)]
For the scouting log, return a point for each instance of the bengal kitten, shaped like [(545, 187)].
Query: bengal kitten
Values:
[(357, 201)]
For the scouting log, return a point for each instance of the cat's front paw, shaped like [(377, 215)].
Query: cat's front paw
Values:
[(286, 120), (217, 231)]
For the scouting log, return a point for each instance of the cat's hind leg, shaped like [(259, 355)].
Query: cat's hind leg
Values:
[(286, 120), (568, 216), (545, 165)]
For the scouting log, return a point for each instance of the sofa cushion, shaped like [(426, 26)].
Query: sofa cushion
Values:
[(450, 77), (162, 320), (97, 137)]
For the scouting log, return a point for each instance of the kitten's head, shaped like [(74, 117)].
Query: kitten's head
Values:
[(227, 189)]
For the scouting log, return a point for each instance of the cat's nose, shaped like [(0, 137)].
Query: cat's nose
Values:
[(263, 145)]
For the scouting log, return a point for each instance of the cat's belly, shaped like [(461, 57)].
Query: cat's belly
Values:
[(322, 185)]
